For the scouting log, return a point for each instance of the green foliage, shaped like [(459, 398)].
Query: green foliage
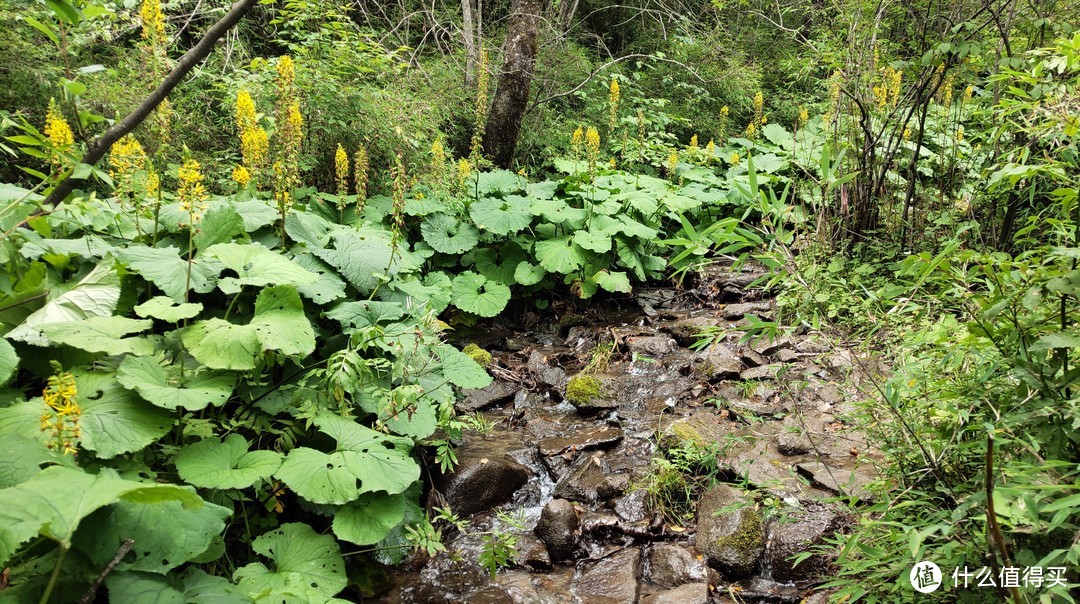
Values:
[(582, 389)]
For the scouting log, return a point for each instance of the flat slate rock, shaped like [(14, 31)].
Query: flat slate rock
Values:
[(579, 440), (845, 481)]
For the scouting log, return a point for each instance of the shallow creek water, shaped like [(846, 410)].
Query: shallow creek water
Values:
[(776, 411)]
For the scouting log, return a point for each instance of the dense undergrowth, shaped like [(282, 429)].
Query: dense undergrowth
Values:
[(229, 345)]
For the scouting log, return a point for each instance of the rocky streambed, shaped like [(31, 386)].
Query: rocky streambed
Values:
[(767, 424)]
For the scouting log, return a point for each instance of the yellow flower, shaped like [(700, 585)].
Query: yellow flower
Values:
[(804, 116), (577, 139), (592, 143), (241, 175), (57, 129), (613, 103), (960, 134), (286, 70), (464, 170), (751, 130), (724, 111), (968, 92), (61, 417), (153, 184), (163, 122), (191, 191), (735, 158), (759, 107), (254, 147), (611, 163), (672, 162), (438, 154), (693, 148), (710, 151), (906, 135), (153, 22), (764, 120), (126, 157), (341, 170), (245, 111)]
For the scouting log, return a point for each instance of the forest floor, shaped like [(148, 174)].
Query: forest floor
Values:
[(688, 471)]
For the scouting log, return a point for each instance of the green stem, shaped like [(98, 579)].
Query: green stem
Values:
[(55, 575)]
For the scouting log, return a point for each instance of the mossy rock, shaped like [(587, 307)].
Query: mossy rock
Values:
[(730, 532), (582, 389), (481, 356)]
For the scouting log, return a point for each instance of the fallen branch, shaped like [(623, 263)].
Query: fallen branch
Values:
[(125, 547)]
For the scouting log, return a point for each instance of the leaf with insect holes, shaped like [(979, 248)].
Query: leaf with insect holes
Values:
[(307, 566), (165, 309), (162, 386), (448, 235), (502, 216), (102, 334), (475, 293)]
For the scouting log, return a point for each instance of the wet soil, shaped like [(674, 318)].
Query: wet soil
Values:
[(773, 413)]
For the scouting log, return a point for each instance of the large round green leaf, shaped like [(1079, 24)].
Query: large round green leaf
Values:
[(527, 273), (460, 369), (448, 235), (560, 255), (115, 420), (165, 389), (257, 266), (194, 587), (305, 562), (370, 518), (502, 216), (164, 308), (479, 295), (228, 464), (594, 241)]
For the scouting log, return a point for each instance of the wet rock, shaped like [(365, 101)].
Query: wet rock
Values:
[(844, 481), (792, 438), (731, 537), (762, 310), (690, 593), (764, 590), (653, 346), (702, 428), (593, 438), (544, 374), (717, 362), (478, 399), (591, 392), (480, 483), (763, 372), (757, 460), (811, 347), (558, 528), (798, 531), (590, 481), (671, 565), (633, 506), (687, 331), (532, 552), (528, 588), (580, 338), (768, 346), (491, 594), (613, 580), (751, 358), (750, 408), (593, 523)]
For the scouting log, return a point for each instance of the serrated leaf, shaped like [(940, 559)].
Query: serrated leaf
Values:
[(616, 281), (328, 288), (1061, 339), (593, 241), (165, 309), (364, 461), (499, 181), (9, 361), (219, 344), (502, 216), (417, 421), (778, 135), (102, 335), (556, 211), (221, 224), (560, 255), (166, 534), (194, 587), (257, 266), (369, 519), (361, 257), (434, 290), (448, 235), (95, 295), (475, 293), (256, 213), (22, 458), (528, 273), (164, 268), (228, 464), (198, 389), (304, 562), (365, 313), (55, 501), (459, 368)]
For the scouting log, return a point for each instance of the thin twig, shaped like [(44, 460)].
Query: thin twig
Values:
[(125, 547)]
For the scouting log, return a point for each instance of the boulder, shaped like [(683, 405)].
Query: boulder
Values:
[(730, 531), (612, 580), (481, 483), (691, 593), (670, 565), (799, 531), (717, 362), (478, 399), (558, 528)]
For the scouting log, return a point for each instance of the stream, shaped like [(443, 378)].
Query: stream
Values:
[(772, 414)]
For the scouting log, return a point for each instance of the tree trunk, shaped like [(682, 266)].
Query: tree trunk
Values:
[(468, 33), (512, 93)]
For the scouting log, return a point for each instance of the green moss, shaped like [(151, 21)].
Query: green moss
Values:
[(478, 354), (682, 434), (746, 542), (582, 389)]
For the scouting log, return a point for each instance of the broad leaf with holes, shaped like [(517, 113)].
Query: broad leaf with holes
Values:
[(54, 502), (228, 464), (193, 587), (362, 257), (502, 216), (163, 386), (305, 563), (165, 309), (475, 293), (369, 519), (257, 266), (164, 267), (166, 534), (96, 295), (448, 235), (364, 461)]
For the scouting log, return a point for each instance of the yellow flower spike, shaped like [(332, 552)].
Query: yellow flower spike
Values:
[(968, 92), (751, 130), (804, 116), (693, 148), (153, 22), (906, 135), (245, 111), (438, 154), (613, 103), (577, 141), (764, 120), (759, 107), (153, 184), (735, 159), (710, 151), (960, 134), (724, 111), (672, 162), (61, 417), (126, 157), (286, 70), (241, 175), (192, 192), (464, 170), (592, 143), (341, 170), (57, 129), (611, 163)]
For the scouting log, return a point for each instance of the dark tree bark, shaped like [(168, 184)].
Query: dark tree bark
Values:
[(512, 92), (98, 147)]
